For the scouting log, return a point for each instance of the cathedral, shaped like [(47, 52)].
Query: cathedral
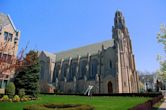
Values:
[(108, 66)]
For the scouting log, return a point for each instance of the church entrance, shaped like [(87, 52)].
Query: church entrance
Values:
[(110, 89)]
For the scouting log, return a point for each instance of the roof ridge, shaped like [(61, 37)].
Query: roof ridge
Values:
[(49, 54), (8, 16), (82, 46), (83, 51)]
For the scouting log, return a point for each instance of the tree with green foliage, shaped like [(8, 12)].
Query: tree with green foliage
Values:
[(161, 37), (28, 77), (10, 89)]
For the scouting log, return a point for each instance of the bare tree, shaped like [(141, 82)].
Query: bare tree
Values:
[(10, 62)]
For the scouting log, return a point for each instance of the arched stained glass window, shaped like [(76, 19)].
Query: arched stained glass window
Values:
[(82, 70), (42, 70), (72, 71), (93, 69), (56, 72), (110, 64), (63, 72)]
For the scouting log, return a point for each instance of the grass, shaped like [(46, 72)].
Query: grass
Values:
[(100, 103)]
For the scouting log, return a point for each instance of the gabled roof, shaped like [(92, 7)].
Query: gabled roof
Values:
[(5, 20), (83, 51), (48, 54)]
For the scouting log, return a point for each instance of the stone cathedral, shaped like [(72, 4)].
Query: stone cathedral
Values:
[(109, 66)]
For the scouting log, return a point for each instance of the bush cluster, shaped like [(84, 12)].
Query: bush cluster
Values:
[(10, 94), (16, 98)]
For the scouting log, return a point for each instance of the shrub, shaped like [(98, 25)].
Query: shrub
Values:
[(16, 98), (25, 98), (5, 98), (21, 92), (10, 89)]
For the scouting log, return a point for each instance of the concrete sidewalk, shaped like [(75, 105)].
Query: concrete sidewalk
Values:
[(163, 105)]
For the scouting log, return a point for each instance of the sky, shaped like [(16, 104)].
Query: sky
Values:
[(57, 25)]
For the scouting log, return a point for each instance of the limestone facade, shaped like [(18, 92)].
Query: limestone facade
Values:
[(109, 66), (9, 36)]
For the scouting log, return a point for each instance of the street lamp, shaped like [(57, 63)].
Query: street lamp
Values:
[(146, 87)]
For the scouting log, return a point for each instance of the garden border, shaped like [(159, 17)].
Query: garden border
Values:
[(148, 105)]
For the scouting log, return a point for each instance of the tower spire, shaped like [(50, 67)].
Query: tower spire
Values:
[(126, 67), (119, 21)]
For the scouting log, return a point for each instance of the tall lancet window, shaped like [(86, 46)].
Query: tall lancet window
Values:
[(82, 70), (110, 64), (72, 71), (42, 70), (56, 72), (93, 69), (64, 71)]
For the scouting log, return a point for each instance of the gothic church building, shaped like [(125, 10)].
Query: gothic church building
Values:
[(109, 66)]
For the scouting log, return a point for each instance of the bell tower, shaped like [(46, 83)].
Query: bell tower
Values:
[(126, 72)]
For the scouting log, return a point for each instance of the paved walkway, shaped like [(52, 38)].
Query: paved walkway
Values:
[(163, 105)]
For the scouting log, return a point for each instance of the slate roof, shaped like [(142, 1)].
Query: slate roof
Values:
[(83, 51)]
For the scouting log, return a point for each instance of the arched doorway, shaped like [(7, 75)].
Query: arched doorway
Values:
[(110, 89)]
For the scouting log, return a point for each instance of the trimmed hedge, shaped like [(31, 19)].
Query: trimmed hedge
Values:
[(59, 107), (148, 105), (114, 94), (131, 94)]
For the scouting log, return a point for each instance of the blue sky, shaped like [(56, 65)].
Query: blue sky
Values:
[(57, 25)]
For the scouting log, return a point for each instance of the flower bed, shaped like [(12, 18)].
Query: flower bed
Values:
[(16, 98), (59, 107)]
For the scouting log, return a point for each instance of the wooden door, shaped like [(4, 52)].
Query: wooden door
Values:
[(110, 89)]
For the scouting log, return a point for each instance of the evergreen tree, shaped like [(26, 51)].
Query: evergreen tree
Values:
[(28, 77)]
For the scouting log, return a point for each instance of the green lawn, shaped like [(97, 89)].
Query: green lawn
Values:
[(100, 103)]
